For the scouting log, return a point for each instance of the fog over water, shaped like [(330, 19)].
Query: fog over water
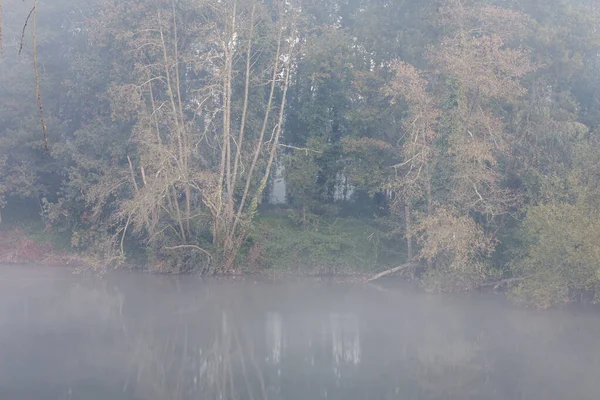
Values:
[(127, 336)]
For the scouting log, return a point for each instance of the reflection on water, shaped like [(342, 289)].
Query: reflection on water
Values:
[(345, 339), (137, 337), (274, 335)]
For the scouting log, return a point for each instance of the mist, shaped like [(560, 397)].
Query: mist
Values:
[(147, 337), (280, 199)]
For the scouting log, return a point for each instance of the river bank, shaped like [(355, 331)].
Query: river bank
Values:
[(340, 250), (31, 247), (277, 245), (21, 246)]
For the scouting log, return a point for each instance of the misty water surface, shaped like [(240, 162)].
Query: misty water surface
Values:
[(133, 336)]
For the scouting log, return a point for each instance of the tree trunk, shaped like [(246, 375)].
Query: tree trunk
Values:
[(429, 205), (409, 243), (188, 208), (429, 196)]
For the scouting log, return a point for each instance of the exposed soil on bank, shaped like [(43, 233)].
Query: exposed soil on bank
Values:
[(17, 247)]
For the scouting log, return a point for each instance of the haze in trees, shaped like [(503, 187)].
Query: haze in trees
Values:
[(457, 136)]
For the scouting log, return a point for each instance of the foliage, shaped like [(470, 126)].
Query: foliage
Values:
[(301, 171), (322, 245), (465, 128), (454, 240), (560, 256)]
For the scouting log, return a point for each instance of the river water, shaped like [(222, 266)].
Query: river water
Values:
[(133, 336)]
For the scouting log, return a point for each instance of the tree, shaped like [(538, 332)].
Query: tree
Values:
[(479, 76), (412, 181), (29, 173), (466, 128), (206, 117), (559, 261), (318, 106)]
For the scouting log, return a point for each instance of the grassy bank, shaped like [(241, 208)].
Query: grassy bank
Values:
[(31, 243), (281, 244), (277, 244)]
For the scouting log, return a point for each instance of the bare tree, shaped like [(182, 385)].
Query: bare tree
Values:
[(209, 106)]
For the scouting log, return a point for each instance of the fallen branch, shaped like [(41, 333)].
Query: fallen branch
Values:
[(497, 285), (287, 146), (189, 246), (402, 267)]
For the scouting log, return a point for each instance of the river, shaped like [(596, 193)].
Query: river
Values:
[(129, 336)]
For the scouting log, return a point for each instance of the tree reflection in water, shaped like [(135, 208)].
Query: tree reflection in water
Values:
[(147, 338)]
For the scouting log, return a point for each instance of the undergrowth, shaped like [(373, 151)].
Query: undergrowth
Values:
[(318, 245), (29, 242)]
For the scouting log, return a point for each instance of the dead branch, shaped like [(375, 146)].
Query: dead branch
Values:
[(37, 77), (189, 246), (305, 149), (504, 283), (24, 28), (402, 267), (135, 185), (123, 235), (1, 47)]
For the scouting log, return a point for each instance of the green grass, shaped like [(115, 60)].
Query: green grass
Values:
[(323, 245), (278, 243)]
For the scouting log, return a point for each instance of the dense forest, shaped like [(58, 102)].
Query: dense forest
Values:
[(226, 136)]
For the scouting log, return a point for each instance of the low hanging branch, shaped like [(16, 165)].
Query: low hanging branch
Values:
[(1, 46), (305, 149), (402, 267), (190, 246), (501, 284), (32, 13), (24, 28), (37, 77)]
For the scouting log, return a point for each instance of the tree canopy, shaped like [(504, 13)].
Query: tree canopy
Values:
[(466, 130)]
